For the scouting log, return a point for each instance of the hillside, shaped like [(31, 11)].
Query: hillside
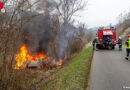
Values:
[(124, 32), (124, 27)]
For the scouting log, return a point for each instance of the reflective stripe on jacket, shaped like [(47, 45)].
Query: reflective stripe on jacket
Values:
[(127, 44)]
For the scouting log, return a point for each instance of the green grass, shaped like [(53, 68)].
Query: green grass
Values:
[(74, 76)]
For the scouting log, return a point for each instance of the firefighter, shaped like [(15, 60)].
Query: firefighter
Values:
[(109, 42), (119, 42), (95, 42), (105, 39), (127, 46)]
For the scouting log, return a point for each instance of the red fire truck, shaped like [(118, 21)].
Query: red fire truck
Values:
[(104, 35)]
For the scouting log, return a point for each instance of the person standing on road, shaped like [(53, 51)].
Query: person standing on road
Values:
[(105, 39), (109, 42), (119, 42), (95, 42), (127, 46)]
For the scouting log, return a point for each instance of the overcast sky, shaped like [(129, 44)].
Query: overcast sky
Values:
[(103, 12)]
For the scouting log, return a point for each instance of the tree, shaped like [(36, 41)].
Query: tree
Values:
[(67, 8), (10, 27)]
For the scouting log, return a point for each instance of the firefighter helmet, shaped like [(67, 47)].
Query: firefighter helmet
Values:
[(120, 38), (96, 37)]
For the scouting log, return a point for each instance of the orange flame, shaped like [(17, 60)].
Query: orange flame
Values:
[(59, 63), (25, 55)]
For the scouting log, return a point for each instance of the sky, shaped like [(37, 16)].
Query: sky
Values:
[(103, 12)]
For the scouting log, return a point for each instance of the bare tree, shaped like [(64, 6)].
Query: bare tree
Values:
[(68, 8), (10, 28), (65, 9), (46, 6)]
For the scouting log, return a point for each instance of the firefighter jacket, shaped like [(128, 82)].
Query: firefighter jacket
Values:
[(96, 41), (119, 41), (127, 44)]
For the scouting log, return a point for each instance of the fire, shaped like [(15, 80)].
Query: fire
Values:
[(40, 55), (59, 63), (25, 55)]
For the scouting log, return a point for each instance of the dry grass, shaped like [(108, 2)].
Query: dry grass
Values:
[(28, 79)]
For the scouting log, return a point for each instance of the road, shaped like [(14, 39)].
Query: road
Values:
[(110, 71)]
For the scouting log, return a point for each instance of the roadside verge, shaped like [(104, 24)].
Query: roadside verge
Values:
[(75, 75)]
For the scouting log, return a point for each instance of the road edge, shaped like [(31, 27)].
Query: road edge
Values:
[(90, 73)]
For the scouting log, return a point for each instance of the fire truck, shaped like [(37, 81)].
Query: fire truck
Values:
[(107, 38)]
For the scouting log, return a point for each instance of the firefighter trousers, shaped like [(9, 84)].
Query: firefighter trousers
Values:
[(120, 46), (127, 53), (93, 46)]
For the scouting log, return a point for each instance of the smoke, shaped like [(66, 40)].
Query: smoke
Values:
[(65, 39), (37, 33)]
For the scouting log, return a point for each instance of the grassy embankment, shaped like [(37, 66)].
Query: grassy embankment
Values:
[(74, 76)]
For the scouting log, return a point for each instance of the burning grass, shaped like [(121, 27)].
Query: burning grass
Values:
[(74, 76)]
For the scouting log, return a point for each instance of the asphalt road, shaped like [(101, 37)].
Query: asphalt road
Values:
[(110, 71)]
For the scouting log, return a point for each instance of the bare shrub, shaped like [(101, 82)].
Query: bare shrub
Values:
[(10, 29)]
